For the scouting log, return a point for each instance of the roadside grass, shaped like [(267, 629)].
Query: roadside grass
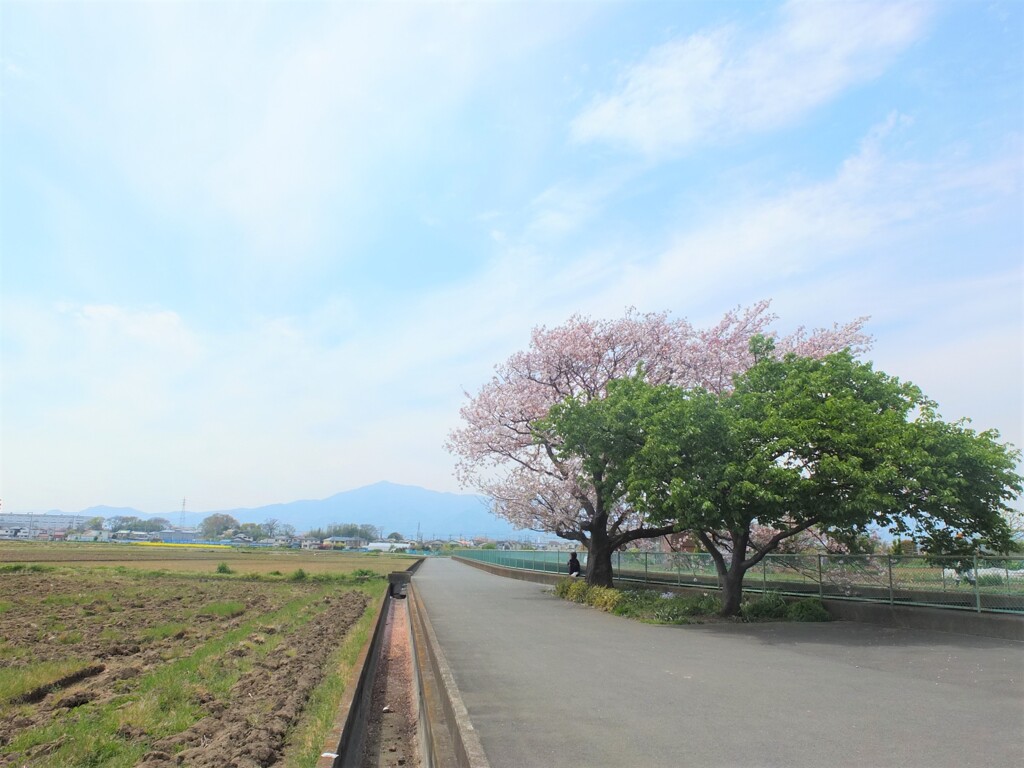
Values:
[(656, 607), (306, 742)]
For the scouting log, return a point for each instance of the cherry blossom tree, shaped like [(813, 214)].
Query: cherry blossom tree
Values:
[(503, 454)]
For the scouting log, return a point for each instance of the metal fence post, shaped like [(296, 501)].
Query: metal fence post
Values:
[(764, 576), (645, 566), (977, 587), (821, 581), (889, 558)]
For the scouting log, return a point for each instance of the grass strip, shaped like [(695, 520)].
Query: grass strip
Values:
[(23, 683), (306, 741)]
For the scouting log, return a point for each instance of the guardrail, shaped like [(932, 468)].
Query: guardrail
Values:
[(983, 585)]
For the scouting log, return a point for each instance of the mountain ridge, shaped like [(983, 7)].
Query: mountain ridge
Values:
[(384, 504)]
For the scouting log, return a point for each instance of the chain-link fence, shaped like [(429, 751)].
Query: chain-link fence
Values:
[(993, 584)]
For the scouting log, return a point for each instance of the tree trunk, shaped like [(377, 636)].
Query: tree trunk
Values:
[(599, 558), (731, 582)]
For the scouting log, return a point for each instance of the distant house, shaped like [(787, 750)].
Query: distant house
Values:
[(125, 535), (344, 542)]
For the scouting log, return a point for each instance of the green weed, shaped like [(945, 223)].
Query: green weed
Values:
[(225, 609)]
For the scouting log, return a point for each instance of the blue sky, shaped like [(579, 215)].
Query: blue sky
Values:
[(256, 252)]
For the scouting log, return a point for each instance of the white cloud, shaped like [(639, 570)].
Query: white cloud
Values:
[(722, 83), (865, 212)]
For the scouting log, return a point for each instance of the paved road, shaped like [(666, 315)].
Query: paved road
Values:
[(549, 683)]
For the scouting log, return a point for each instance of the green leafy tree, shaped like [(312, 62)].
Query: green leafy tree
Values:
[(799, 443), (92, 524), (214, 525), (123, 523), (395, 536), (593, 443), (152, 525), (254, 531)]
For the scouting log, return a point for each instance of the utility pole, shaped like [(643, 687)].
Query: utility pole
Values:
[(181, 520)]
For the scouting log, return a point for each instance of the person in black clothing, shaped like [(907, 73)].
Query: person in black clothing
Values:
[(574, 565)]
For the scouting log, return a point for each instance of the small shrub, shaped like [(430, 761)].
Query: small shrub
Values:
[(579, 590), (771, 606), (363, 574), (298, 575), (276, 573), (224, 568), (605, 598), (809, 609), (575, 590), (562, 588)]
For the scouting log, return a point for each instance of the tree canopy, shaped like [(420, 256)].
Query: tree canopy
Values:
[(505, 451), (799, 442), (214, 525)]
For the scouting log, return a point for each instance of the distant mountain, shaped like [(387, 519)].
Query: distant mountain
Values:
[(393, 507), (104, 511)]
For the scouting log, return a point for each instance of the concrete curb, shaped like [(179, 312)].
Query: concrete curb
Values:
[(447, 736), (1003, 626)]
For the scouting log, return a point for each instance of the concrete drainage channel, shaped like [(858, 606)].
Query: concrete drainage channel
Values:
[(401, 708)]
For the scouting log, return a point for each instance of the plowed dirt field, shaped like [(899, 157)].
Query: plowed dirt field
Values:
[(124, 668)]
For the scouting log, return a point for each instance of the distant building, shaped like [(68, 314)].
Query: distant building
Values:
[(344, 542), (387, 546), (170, 536), (42, 522), (125, 535), (91, 535)]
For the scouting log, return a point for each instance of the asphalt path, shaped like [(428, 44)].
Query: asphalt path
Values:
[(549, 683)]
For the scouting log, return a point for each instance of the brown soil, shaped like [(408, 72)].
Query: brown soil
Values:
[(122, 628)]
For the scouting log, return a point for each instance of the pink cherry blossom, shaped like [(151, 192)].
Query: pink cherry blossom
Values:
[(501, 456)]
